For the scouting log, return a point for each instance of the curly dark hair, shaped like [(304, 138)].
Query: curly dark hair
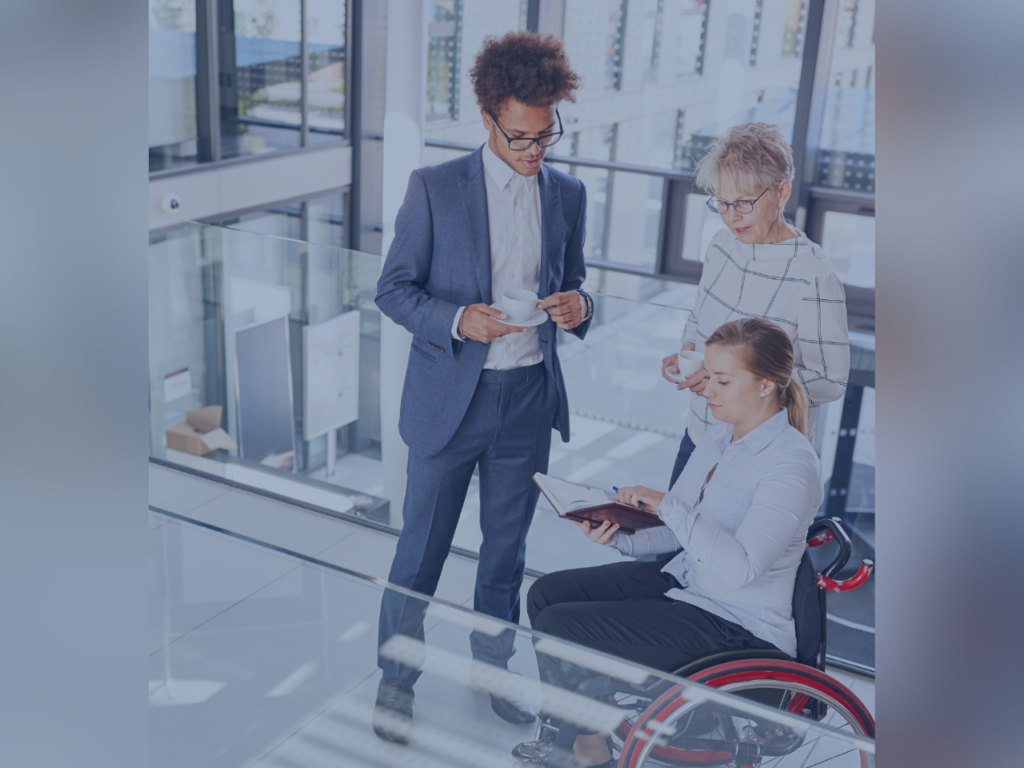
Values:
[(530, 68)]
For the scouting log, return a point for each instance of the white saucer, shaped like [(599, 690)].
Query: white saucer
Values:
[(678, 377), (537, 318)]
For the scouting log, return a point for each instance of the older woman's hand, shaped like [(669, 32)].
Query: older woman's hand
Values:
[(696, 382), (602, 533), (641, 497)]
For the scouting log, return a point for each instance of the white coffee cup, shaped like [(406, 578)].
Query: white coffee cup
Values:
[(519, 304), (689, 363)]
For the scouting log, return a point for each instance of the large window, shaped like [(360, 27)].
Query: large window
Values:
[(842, 205), (261, 77), (456, 30), (664, 77), (233, 78), (327, 29), (173, 130)]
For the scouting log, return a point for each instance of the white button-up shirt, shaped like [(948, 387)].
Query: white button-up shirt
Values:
[(743, 543), (514, 220)]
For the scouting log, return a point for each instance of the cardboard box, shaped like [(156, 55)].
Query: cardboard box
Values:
[(200, 433)]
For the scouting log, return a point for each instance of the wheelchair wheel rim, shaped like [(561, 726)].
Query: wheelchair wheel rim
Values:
[(735, 678)]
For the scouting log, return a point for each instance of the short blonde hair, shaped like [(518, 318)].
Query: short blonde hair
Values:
[(755, 155)]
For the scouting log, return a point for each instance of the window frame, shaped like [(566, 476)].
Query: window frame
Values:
[(208, 106)]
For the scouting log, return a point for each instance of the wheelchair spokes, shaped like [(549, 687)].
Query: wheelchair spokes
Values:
[(674, 731)]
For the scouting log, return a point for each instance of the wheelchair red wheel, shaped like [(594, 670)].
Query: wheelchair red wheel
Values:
[(656, 737)]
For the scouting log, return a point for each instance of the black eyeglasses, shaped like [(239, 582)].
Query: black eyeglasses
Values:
[(522, 143), (741, 206)]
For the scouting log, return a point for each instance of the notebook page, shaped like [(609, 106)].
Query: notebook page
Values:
[(570, 496)]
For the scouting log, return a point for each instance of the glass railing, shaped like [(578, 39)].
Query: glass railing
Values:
[(264, 363), (260, 656), (278, 344)]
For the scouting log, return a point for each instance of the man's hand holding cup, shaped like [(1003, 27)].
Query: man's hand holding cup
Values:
[(478, 323), (564, 308)]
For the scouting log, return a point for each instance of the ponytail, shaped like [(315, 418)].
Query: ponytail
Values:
[(794, 400), (767, 352)]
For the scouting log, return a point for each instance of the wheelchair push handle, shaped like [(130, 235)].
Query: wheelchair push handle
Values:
[(828, 529), (846, 585)]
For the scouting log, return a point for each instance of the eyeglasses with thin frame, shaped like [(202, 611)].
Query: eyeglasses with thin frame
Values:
[(741, 206), (523, 143)]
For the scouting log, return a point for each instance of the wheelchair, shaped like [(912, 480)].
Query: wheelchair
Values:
[(663, 728)]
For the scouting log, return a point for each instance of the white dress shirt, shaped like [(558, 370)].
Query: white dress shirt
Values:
[(791, 283), (514, 220), (743, 543)]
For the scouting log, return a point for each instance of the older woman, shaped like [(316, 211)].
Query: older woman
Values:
[(740, 510), (761, 266)]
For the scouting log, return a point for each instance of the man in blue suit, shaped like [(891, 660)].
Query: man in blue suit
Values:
[(479, 391)]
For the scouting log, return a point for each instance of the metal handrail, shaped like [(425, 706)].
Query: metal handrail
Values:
[(247, 120), (647, 170)]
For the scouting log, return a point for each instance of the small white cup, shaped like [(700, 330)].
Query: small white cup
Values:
[(689, 363), (519, 304)]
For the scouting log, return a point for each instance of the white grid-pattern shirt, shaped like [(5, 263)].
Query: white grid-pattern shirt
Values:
[(791, 283)]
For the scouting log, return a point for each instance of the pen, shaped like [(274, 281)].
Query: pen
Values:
[(617, 490)]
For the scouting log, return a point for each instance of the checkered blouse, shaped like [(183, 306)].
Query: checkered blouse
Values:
[(791, 283)]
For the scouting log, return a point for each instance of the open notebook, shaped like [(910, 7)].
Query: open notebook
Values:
[(577, 502)]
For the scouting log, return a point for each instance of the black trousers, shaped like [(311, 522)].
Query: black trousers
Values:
[(622, 609)]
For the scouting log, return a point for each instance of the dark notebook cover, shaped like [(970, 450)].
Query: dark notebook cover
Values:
[(630, 519)]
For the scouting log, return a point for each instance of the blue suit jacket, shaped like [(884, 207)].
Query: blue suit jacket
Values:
[(440, 260)]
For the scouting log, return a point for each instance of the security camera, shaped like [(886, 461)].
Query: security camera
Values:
[(170, 203)]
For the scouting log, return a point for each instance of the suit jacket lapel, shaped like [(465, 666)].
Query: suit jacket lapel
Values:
[(474, 204), (551, 228)]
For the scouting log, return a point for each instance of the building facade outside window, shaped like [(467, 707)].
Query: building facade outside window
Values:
[(443, 60)]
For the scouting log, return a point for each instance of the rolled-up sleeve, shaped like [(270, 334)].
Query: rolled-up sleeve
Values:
[(824, 340), (776, 514)]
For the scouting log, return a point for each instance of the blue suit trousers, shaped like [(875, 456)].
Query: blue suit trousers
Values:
[(507, 433)]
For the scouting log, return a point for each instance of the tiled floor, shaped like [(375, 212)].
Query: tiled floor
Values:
[(258, 658)]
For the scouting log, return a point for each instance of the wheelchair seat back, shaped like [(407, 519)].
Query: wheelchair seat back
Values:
[(807, 613)]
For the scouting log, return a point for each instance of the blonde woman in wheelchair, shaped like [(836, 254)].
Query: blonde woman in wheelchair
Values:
[(738, 518)]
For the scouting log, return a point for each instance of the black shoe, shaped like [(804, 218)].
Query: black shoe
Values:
[(519, 712), (392, 714), (536, 752), (512, 706)]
